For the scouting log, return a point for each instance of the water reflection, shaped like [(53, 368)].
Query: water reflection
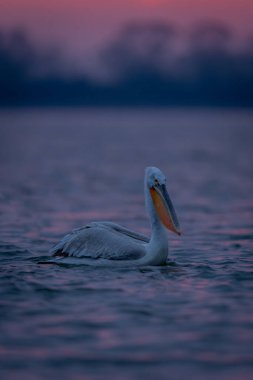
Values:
[(191, 316)]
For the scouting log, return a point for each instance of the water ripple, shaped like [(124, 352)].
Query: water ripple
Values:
[(189, 318)]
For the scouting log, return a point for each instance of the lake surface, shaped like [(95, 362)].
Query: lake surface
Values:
[(190, 319)]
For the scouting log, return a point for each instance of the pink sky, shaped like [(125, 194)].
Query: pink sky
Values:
[(82, 26)]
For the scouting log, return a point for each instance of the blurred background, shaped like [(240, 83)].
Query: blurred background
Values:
[(126, 53), (92, 92)]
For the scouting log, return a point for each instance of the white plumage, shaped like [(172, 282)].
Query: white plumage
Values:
[(109, 243)]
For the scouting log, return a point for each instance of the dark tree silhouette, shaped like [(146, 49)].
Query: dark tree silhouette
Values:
[(144, 66)]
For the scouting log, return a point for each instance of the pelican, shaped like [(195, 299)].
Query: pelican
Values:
[(108, 243)]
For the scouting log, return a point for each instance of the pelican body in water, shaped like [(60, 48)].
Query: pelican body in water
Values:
[(108, 243)]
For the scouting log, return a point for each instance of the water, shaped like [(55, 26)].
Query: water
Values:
[(190, 319)]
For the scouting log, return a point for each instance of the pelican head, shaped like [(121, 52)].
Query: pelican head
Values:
[(161, 202)]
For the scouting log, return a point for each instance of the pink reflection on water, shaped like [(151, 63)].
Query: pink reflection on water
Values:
[(108, 338)]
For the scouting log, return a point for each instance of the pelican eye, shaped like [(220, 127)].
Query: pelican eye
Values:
[(156, 182)]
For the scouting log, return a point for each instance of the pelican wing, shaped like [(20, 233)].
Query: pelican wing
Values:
[(118, 228), (102, 240)]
